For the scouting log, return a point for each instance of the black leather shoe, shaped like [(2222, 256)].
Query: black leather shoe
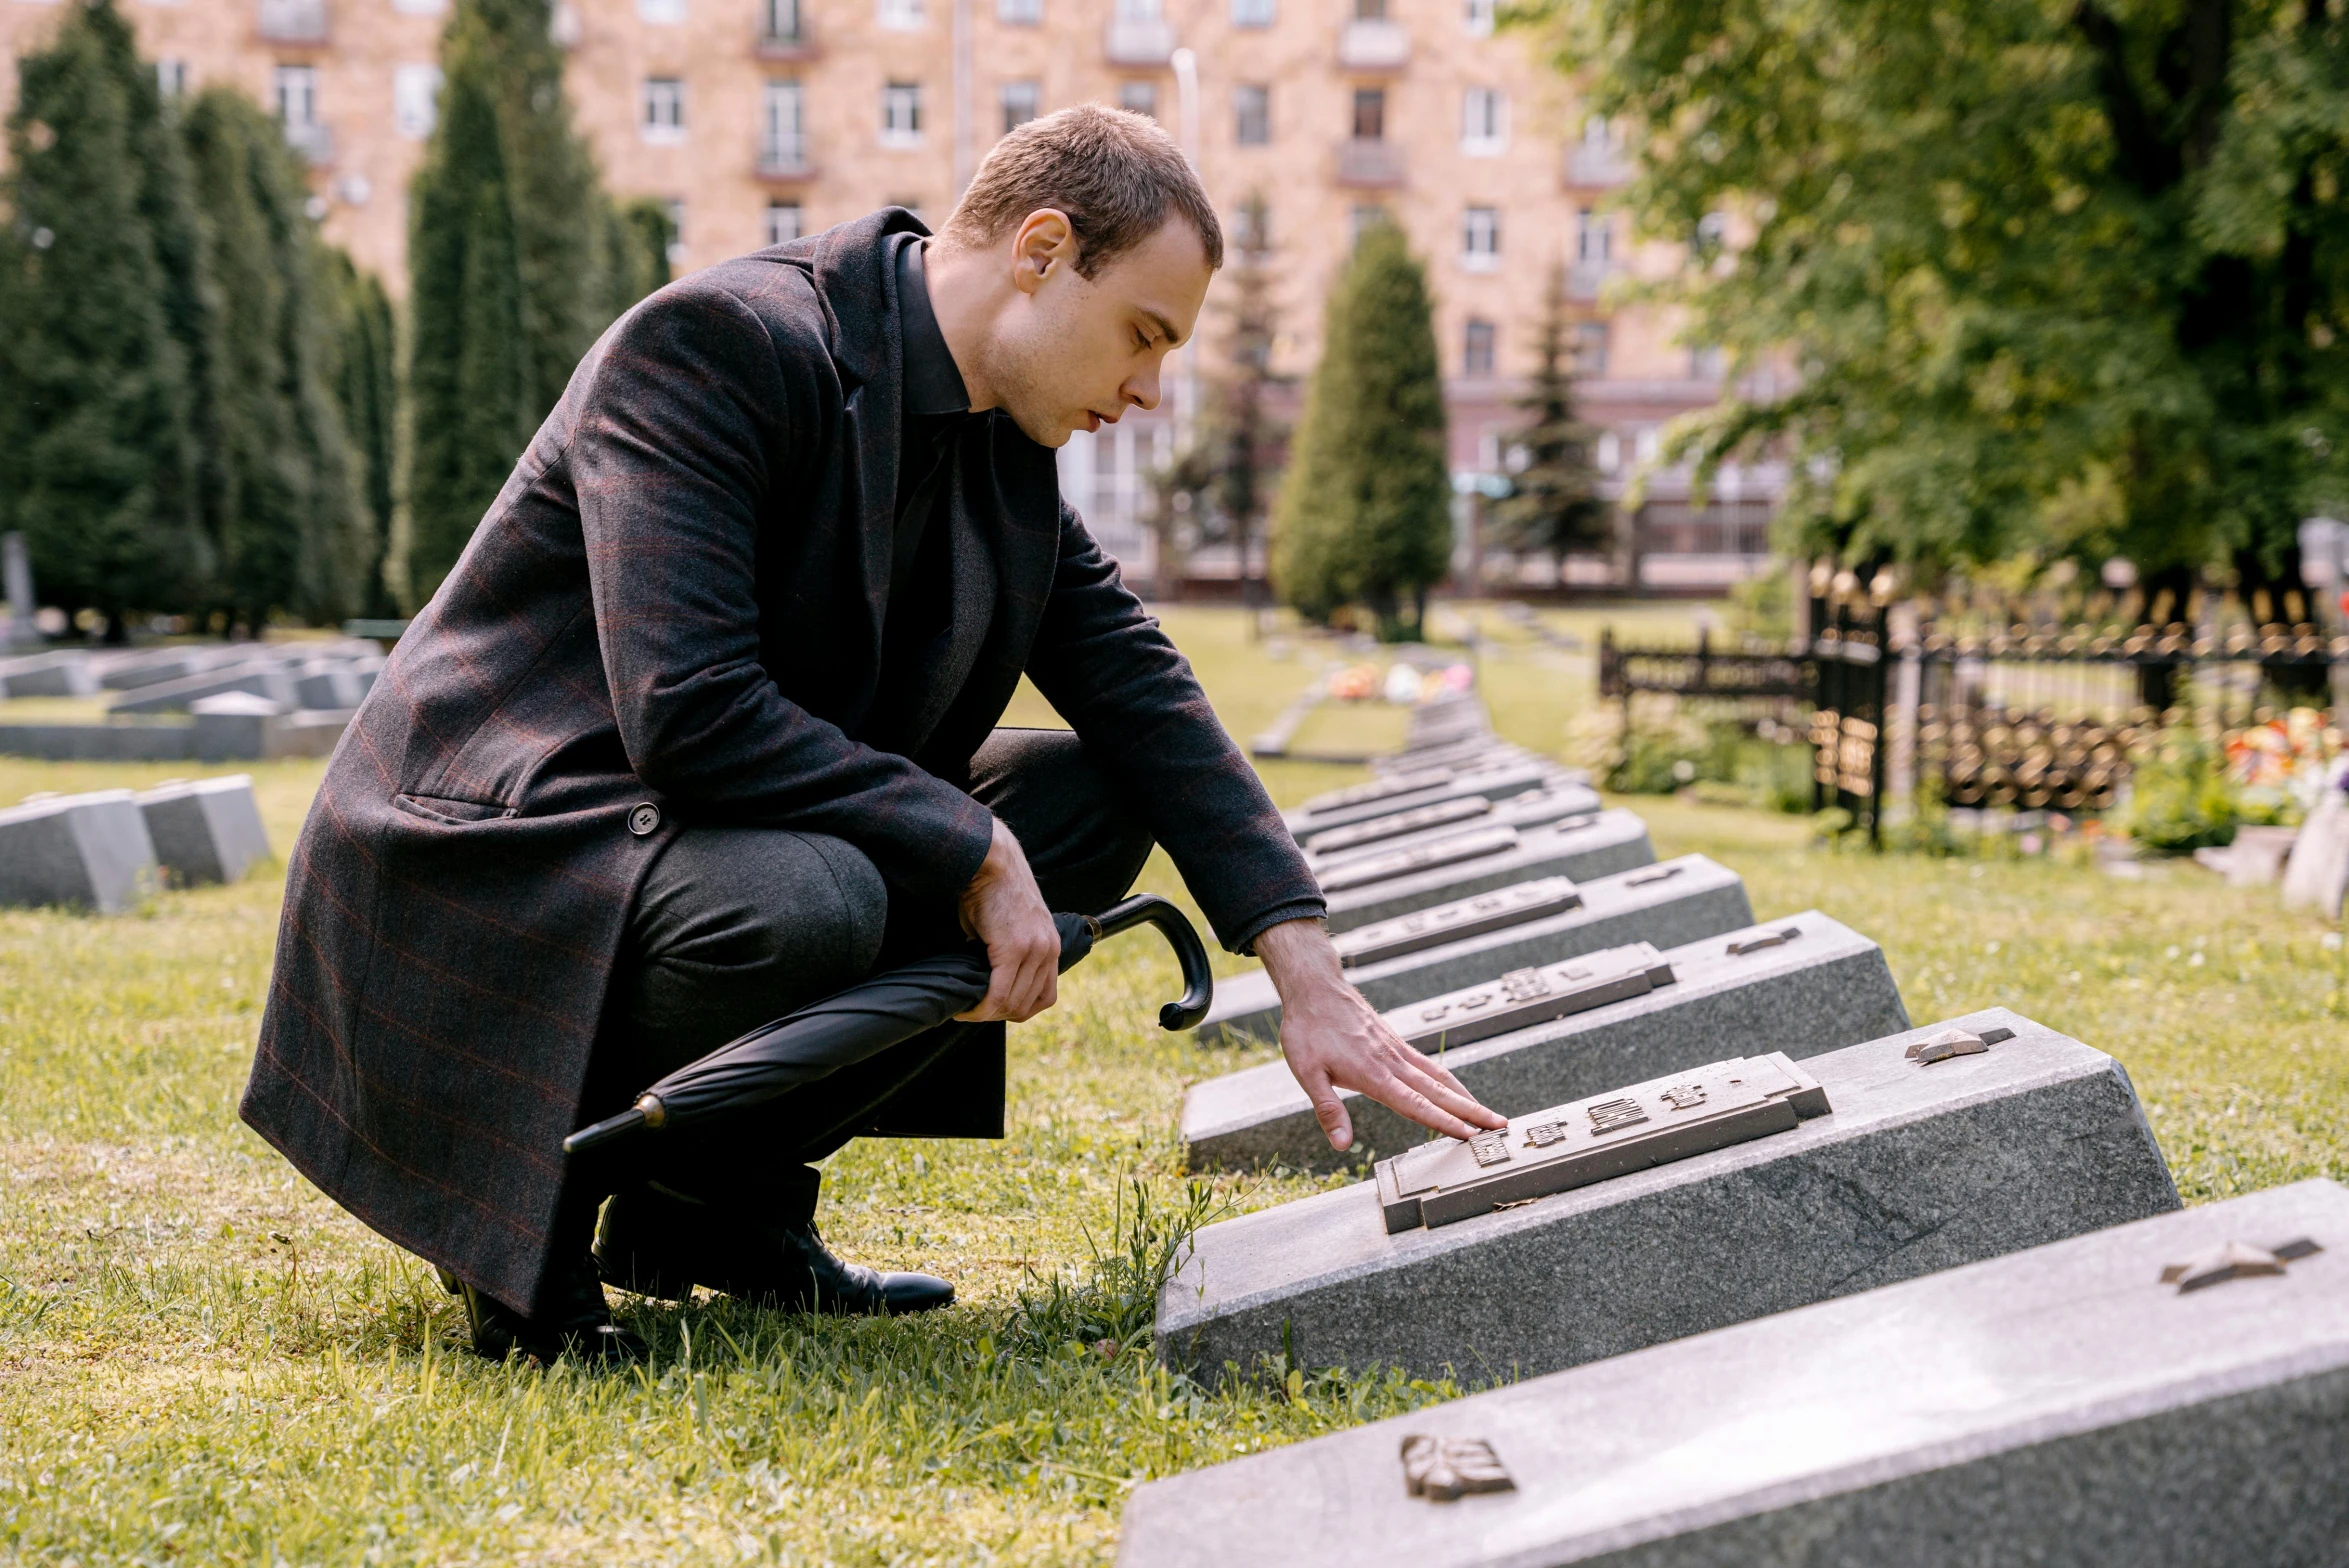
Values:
[(577, 1323), (658, 1245)]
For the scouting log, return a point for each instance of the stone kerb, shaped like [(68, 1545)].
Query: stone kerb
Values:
[(1617, 840), (208, 830), (1915, 1168), (2065, 1404), (1827, 989), (88, 852), (1669, 903)]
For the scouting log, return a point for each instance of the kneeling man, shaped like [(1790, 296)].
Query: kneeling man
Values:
[(702, 727)]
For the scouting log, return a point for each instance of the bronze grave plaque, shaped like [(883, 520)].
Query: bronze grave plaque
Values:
[(1691, 1112), (1524, 997), (1403, 862), (1466, 917), (1419, 819)]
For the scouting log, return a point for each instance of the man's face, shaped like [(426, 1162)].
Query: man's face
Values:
[(1074, 353)]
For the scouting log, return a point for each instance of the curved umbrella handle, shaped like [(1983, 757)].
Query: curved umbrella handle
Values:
[(1198, 979)]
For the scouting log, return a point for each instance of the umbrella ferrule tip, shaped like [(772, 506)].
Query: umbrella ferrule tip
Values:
[(655, 1113)]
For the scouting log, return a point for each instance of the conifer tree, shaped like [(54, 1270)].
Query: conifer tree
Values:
[(290, 536), (1553, 501), (364, 374), (1365, 512), (517, 261), (105, 316)]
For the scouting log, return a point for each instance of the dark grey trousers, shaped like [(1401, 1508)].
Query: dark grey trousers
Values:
[(737, 926)]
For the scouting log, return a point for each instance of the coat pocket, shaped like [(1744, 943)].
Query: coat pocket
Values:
[(440, 808)]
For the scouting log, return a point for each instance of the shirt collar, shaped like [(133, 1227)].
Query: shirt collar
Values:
[(933, 383)]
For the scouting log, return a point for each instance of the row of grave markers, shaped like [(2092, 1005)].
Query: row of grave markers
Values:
[(105, 850), (1766, 1273)]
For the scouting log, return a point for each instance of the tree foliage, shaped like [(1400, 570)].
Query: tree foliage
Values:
[(101, 467), (517, 260), (365, 377), (1553, 500), (1365, 511), (2055, 279)]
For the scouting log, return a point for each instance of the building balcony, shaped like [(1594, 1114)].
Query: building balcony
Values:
[(1584, 279), (785, 163), (314, 142), (1596, 165), (1370, 162), (1139, 42), (292, 21), (1367, 44), (799, 45)]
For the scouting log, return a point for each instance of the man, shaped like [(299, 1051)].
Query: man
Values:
[(701, 728)]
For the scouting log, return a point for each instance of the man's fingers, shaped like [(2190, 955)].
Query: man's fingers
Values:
[(1000, 980), (1439, 1086), (1037, 986), (1399, 1097), (1329, 1110)]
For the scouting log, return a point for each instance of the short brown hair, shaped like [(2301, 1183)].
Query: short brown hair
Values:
[(1115, 173)]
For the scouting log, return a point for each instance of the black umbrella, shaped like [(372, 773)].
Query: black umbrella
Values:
[(881, 1012)]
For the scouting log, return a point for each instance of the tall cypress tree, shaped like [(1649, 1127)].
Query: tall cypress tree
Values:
[(517, 260), (1365, 513), (1553, 501), (289, 535), (105, 329), (364, 372)]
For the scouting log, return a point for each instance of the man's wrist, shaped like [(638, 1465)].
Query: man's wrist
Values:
[(1297, 953)]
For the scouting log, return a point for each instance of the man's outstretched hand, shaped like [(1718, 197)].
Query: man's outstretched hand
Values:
[(1335, 1040), (1003, 908)]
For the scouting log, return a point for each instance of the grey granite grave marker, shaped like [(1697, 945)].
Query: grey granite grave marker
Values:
[(1918, 1166), (1827, 989), (208, 830), (1552, 804), (259, 677), (1381, 887), (82, 851), (1430, 951), (65, 672), (1424, 787), (2168, 1393), (1488, 752)]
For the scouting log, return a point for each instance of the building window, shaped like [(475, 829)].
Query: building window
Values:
[(1480, 238), (1370, 114), (1370, 10), (1484, 122), (1594, 238), (661, 13), (1020, 13), (1251, 226), (1610, 451), (784, 222), (420, 7), (901, 114), (783, 126), (297, 98), (675, 208), (1477, 17), (1590, 349), (415, 100), (1255, 13), (899, 16), (1251, 115), (1704, 362), (1138, 98), (1020, 102), (780, 21), (1476, 348), (171, 78), (1364, 217), (664, 109)]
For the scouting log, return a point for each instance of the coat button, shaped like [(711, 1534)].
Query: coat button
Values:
[(644, 819)]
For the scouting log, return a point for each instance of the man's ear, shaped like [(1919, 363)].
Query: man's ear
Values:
[(1044, 243)]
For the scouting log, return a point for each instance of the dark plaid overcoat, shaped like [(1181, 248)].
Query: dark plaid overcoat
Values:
[(672, 613)]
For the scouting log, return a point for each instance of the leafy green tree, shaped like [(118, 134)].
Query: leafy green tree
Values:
[(1553, 500), (2052, 280), (105, 320), (1365, 512), (364, 372), (290, 533), (517, 260)]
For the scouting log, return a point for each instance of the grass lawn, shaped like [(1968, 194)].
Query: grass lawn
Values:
[(204, 1361)]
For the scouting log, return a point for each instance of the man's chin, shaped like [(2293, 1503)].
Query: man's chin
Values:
[(1054, 433)]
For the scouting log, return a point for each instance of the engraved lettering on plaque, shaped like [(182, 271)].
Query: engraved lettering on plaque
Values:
[(1542, 1134), (1684, 1096), (1490, 1148), (1402, 862), (1614, 1115), (1457, 921), (1755, 944), (2235, 1260), (1445, 1469), (1523, 985), (1953, 1041)]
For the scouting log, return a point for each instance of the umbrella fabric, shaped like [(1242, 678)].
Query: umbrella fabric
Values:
[(820, 1039)]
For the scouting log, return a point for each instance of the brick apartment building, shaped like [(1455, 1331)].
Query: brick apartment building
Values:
[(758, 120)]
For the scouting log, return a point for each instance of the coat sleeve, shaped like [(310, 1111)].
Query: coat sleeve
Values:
[(687, 424), (1105, 665)]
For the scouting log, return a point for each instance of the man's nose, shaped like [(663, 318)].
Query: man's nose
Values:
[(1141, 390)]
